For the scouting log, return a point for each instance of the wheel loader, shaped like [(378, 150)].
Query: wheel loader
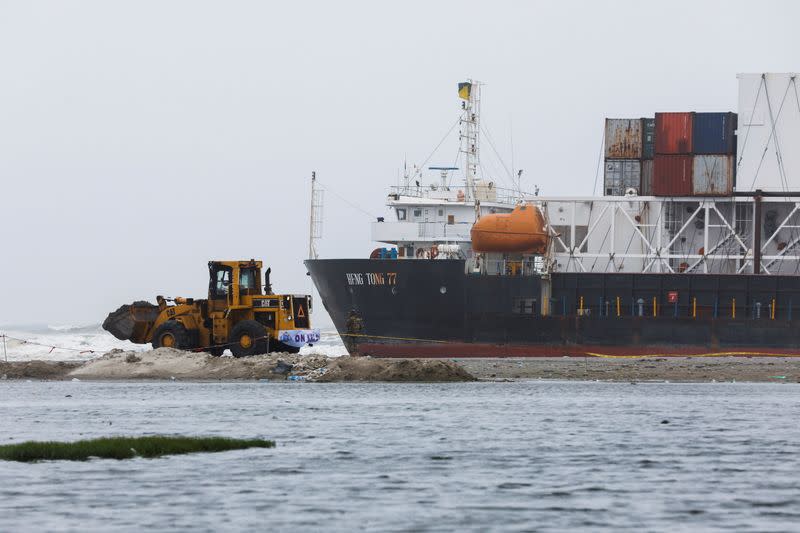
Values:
[(240, 314)]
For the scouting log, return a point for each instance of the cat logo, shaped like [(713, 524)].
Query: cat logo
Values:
[(300, 313)]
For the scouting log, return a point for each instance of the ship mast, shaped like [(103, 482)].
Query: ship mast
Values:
[(469, 132), (315, 218)]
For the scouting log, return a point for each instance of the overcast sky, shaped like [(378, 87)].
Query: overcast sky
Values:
[(140, 139)]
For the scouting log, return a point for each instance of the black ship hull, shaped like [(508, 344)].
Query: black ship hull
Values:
[(432, 308)]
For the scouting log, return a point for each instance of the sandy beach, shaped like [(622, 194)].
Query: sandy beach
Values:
[(169, 364), (677, 369)]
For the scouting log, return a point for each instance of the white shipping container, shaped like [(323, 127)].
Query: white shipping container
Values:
[(712, 175)]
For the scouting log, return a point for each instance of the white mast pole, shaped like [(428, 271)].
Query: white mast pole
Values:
[(470, 136), (315, 217), (311, 252)]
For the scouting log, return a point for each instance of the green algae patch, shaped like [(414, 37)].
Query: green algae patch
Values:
[(123, 448)]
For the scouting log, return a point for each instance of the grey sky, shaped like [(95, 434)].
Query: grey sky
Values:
[(138, 140)]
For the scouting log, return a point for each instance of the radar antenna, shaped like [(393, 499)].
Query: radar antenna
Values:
[(443, 175)]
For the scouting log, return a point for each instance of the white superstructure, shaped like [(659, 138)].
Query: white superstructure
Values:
[(768, 134), (635, 233)]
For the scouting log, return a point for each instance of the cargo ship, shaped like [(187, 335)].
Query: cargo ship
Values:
[(693, 249)]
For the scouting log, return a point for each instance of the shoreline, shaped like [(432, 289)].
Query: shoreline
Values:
[(673, 369), (168, 364)]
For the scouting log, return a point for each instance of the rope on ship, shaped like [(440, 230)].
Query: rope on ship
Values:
[(595, 354), (710, 354)]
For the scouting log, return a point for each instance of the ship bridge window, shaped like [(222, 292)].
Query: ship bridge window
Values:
[(441, 212), (417, 213), (451, 219), (401, 214)]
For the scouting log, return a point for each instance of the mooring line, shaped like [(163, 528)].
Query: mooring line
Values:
[(395, 338), (710, 354)]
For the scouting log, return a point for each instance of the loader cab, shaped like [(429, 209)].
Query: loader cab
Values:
[(229, 281), (220, 281)]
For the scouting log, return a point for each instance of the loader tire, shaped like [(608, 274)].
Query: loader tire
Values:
[(172, 334), (248, 337)]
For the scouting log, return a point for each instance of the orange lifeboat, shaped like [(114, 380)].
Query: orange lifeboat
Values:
[(522, 230)]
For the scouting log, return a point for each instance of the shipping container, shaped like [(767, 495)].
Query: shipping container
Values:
[(714, 133), (622, 175), (672, 175), (623, 138), (674, 133), (712, 175), (647, 178), (648, 138)]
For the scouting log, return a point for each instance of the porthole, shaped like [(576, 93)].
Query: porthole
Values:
[(443, 289)]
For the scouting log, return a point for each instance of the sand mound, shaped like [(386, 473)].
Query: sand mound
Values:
[(167, 363), (409, 370)]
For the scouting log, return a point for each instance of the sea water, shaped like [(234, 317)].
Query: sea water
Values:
[(536, 455)]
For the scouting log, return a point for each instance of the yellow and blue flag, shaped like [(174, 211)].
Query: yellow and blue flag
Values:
[(464, 90)]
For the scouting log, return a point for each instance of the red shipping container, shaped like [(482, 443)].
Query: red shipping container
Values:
[(672, 175), (674, 133)]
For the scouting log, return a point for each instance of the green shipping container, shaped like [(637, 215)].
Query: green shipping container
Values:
[(648, 138)]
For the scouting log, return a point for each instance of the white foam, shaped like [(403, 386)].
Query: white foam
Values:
[(80, 343)]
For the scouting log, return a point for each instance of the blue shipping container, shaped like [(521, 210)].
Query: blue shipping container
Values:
[(714, 133)]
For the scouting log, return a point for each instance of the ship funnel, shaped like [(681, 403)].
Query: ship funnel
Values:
[(522, 230)]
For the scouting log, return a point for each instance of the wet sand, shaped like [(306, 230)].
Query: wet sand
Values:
[(165, 364), (677, 369)]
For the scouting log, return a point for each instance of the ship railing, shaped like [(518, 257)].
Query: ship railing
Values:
[(451, 193), (529, 266), (696, 307)]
